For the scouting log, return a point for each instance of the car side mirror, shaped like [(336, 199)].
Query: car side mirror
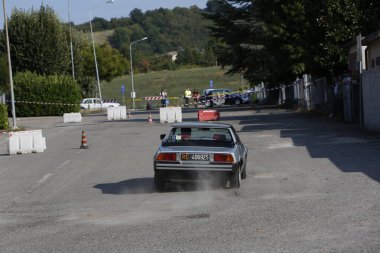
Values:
[(162, 136)]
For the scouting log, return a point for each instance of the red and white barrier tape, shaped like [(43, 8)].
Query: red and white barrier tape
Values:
[(154, 98), (40, 103)]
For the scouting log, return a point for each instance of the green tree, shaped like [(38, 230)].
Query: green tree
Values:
[(239, 39), (275, 41), (329, 25), (137, 16), (110, 62), (38, 42), (370, 18)]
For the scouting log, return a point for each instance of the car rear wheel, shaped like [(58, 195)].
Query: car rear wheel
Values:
[(237, 101), (208, 103), (235, 180), (159, 183)]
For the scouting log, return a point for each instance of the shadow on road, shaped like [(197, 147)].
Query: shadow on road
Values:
[(130, 186), (349, 147), (145, 185)]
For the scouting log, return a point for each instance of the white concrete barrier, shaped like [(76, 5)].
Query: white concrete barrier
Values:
[(24, 142), (72, 117), (170, 114), (123, 112), (163, 113), (178, 114), (116, 113)]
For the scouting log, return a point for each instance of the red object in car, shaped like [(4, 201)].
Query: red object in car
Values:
[(208, 115)]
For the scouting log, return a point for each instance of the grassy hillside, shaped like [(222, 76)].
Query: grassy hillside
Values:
[(102, 37), (175, 83)]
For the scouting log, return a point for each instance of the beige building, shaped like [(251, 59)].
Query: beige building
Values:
[(372, 53)]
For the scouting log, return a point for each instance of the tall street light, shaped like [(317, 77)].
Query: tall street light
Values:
[(96, 62), (10, 69), (130, 59), (71, 40)]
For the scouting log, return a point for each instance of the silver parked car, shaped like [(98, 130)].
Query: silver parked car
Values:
[(194, 151)]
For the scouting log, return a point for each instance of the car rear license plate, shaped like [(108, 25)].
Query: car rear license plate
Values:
[(195, 157)]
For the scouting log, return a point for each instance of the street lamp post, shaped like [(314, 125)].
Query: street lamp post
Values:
[(96, 62), (71, 40), (10, 69), (130, 58)]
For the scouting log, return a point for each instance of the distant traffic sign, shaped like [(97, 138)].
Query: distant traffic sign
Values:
[(122, 89)]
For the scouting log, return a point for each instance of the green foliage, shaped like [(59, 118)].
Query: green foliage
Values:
[(162, 62), (38, 42), (370, 18), (167, 30), (3, 117), (333, 23), (193, 56), (110, 62), (4, 75), (57, 89), (98, 24), (275, 41), (239, 39)]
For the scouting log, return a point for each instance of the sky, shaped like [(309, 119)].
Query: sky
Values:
[(80, 9)]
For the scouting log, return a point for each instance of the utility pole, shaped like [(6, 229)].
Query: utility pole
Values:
[(10, 68)]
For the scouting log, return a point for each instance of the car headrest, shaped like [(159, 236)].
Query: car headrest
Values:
[(219, 137)]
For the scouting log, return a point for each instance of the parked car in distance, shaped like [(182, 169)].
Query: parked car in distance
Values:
[(211, 97), (236, 98), (94, 103), (193, 151)]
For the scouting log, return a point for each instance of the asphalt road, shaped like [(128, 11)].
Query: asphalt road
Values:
[(312, 186)]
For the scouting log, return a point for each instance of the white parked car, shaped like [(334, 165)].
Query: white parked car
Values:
[(95, 103)]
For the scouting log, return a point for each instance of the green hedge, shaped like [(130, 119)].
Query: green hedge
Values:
[(33, 92), (3, 117)]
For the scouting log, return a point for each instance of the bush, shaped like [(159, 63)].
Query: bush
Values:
[(3, 117), (33, 94)]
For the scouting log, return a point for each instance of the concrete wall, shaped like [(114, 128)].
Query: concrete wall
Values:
[(371, 99)]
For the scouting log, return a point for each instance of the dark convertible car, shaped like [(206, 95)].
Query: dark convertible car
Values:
[(200, 151)]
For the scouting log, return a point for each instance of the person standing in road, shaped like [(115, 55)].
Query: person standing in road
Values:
[(164, 96), (196, 98), (187, 97)]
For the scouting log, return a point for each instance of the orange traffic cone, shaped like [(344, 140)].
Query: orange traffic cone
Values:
[(84, 141), (150, 120), (129, 114)]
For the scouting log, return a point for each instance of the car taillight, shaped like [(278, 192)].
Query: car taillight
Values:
[(225, 158), (167, 157)]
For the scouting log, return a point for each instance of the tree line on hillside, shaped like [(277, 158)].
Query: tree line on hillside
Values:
[(182, 30), (276, 41)]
